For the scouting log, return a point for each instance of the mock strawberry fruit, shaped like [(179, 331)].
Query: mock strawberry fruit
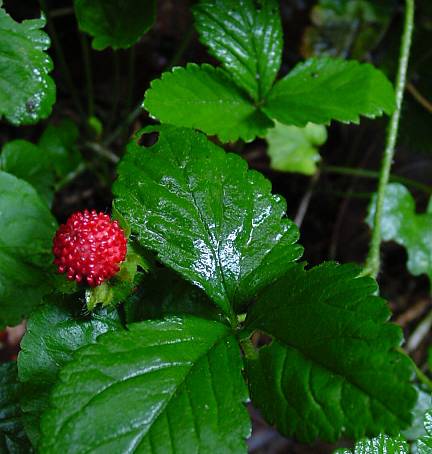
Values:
[(89, 247)]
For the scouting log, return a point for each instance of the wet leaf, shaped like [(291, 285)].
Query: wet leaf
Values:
[(205, 98), (424, 444), (172, 385), (332, 368), (293, 149), (324, 89), (246, 36), (206, 215), (27, 93), (383, 444)]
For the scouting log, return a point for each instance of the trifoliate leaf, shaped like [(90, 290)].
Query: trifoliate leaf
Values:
[(30, 163), (332, 369), (27, 93), (113, 23), (13, 439), (172, 385), (246, 36), (402, 224), (53, 334), (324, 89), (424, 445), (26, 231), (206, 215), (205, 98), (383, 444), (293, 149)]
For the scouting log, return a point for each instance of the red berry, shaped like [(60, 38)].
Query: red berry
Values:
[(89, 247)]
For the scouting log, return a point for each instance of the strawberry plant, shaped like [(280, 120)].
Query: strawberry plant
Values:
[(164, 316)]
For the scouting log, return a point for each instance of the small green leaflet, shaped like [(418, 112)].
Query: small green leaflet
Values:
[(113, 23), (402, 224), (324, 89), (53, 334), (13, 439), (246, 36), (172, 385), (293, 149), (383, 444), (332, 369), (27, 93), (26, 231), (206, 215), (205, 98)]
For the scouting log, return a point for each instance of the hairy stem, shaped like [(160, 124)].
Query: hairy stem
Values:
[(373, 259)]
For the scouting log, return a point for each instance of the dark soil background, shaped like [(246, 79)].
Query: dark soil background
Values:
[(334, 204)]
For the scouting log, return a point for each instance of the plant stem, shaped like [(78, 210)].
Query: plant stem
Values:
[(373, 260), (366, 173), (88, 74)]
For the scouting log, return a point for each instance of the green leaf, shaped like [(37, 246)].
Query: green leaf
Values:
[(206, 215), (30, 163), (402, 224), (383, 444), (324, 89), (27, 93), (205, 98), (54, 333), (332, 369), (424, 445), (172, 385), (164, 293), (246, 36), (13, 439), (58, 142), (26, 231), (293, 149), (114, 23)]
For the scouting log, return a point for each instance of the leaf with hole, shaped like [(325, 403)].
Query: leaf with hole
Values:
[(172, 385)]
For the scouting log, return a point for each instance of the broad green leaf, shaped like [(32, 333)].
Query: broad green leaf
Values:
[(58, 142), (168, 386), (402, 224), (13, 439), (163, 293), (383, 444), (114, 23), (206, 215), (332, 369), (293, 149), (324, 89), (424, 444), (205, 98), (54, 333), (246, 36), (26, 231), (28, 162), (27, 93)]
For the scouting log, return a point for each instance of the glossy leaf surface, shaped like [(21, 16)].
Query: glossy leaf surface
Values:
[(53, 334), (27, 93), (172, 385), (402, 224), (205, 98), (424, 444), (26, 231), (324, 89), (246, 36), (293, 149), (13, 439), (114, 23), (332, 369), (206, 215), (383, 444)]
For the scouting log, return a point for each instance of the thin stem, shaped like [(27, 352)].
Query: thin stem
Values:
[(61, 58), (419, 97), (373, 260), (365, 173), (116, 95), (88, 74), (421, 376)]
